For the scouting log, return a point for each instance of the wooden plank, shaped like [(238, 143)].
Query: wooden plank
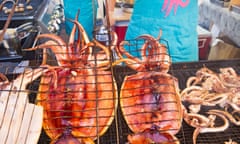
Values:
[(223, 51), (234, 2), (35, 126), (25, 123), (8, 116), (17, 117), (3, 104)]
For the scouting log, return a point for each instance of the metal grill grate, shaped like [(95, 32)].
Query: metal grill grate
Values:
[(118, 129), (185, 70)]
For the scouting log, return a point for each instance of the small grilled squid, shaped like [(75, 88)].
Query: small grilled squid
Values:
[(203, 124), (211, 89)]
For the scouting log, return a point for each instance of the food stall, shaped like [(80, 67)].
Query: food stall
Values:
[(90, 96)]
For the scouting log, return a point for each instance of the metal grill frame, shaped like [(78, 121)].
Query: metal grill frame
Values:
[(118, 131)]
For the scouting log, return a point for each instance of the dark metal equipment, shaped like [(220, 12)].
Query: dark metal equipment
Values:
[(29, 19)]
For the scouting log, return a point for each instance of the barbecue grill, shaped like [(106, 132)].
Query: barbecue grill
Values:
[(118, 131)]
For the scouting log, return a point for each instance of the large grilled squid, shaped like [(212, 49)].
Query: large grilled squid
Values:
[(149, 99), (79, 95)]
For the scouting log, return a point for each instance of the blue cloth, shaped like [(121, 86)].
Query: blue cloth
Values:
[(86, 17), (177, 22)]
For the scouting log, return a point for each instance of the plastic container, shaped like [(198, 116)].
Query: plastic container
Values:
[(120, 29), (204, 41)]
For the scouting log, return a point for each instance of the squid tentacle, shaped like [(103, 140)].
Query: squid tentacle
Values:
[(102, 63), (61, 56), (71, 40), (133, 62), (228, 115)]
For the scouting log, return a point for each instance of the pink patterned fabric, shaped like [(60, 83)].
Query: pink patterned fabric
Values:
[(168, 5)]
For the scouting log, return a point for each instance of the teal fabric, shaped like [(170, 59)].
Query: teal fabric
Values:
[(178, 24), (86, 17)]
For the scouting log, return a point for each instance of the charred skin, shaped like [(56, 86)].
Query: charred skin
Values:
[(71, 97), (150, 137), (150, 100), (68, 138)]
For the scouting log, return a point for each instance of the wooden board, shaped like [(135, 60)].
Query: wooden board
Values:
[(234, 3), (21, 121), (223, 51)]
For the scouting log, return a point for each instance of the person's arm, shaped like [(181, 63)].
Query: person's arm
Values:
[(111, 4)]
